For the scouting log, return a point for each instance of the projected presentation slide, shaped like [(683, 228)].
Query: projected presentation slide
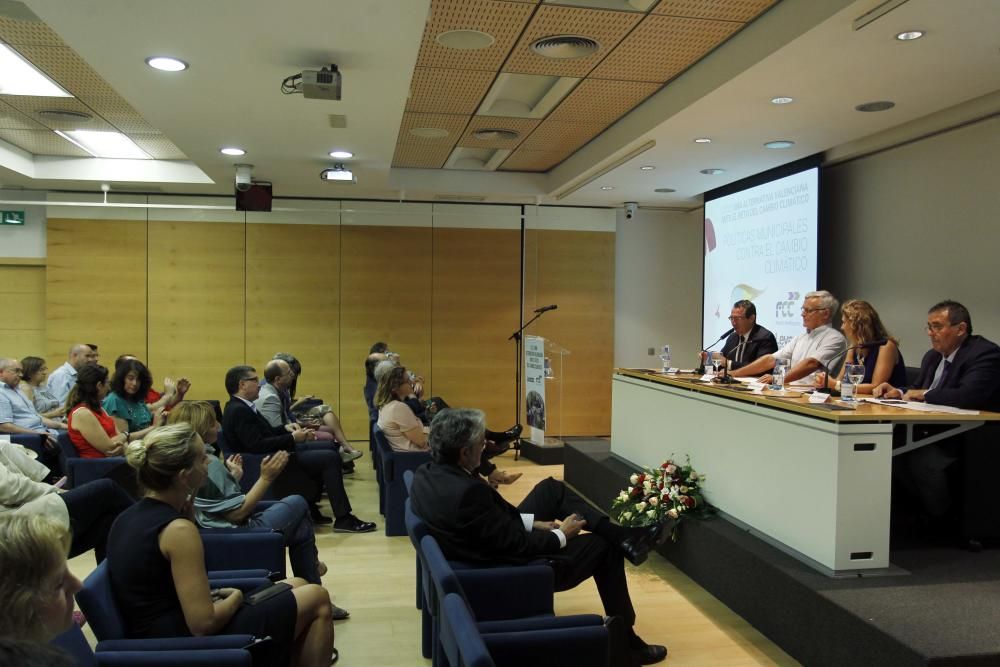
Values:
[(760, 244)]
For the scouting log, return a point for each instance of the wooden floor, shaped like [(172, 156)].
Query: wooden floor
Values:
[(373, 576)]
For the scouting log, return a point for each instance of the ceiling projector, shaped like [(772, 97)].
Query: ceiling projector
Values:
[(321, 84)]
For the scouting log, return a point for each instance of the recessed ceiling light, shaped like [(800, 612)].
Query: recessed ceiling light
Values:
[(664, 190), (702, 140), (781, 143), (565, 47), (343, 155), (910, 35), (881, 105), (232, 150), (65, 115), (466, 40), (647, 167), (782, 100), (105, 144), (429, 132), (166, 63), (20, 77), (607, 187), (713, 171)]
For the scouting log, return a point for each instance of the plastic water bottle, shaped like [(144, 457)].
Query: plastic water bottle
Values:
[(665, 358)]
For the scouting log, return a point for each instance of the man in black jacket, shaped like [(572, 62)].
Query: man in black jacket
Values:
[(314, 464), (749, 340), (472, 522)]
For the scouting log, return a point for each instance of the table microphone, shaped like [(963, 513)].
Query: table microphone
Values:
[(701, 367), (725, 379), (545, 309), (872, 343)]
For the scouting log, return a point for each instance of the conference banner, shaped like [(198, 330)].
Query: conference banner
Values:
[(534, 388)]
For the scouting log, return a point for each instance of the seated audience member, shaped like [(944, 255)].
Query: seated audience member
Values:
[(88, 510), (62, 379), (274, 404), (35, 585), (883, 363), (220, 503), (472, 522), (92, 430), (371, 383), (749, 340), (18, 414), (961, 370), (157, 564), (814, 350), (34, 374), (172, 394), (321, 416), (126, 402), (247, 431)]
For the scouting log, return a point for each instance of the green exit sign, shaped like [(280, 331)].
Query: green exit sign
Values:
[(11, 217)]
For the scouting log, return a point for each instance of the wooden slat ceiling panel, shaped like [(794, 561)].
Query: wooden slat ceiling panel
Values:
[(421, 157), (724, 10), (606, 27), (17, 32), (12, 119), (503, 20), (31, 105), (561, 137), (447, 90), (662, 47), (522, 160), (158, 147), (602, 101), (523, 126), (42, 142)]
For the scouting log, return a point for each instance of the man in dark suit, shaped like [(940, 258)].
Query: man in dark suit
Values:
[(749, 340), (472, 522), (315, 465), (961, 370)]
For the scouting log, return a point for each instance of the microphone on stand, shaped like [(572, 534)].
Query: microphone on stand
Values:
[(701, 367), (872, 343), (545, 309), (725, 379)]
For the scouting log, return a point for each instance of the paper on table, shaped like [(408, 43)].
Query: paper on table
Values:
[(921, 407), (818, 397)]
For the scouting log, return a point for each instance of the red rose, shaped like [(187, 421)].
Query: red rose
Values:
[(688, 501), (642, 478)]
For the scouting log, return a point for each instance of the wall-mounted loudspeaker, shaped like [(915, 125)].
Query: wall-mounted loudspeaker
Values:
[(256, 198)]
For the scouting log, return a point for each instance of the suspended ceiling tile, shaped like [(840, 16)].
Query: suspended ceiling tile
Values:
[(42, 142), (607, 28), (724, 10), (602, 101), (12, 119), (420, 157), (76, 76), (17, 32), (450, 91), (662, 47), (30, 106), (504, 21), (414, 151), (561, 137), (522, 160), (158, 147), (523, 127)]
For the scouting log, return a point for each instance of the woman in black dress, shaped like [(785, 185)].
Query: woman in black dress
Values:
[(157, 563)]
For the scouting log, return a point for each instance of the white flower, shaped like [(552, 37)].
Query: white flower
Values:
[(631, 490), (672, 513), (647, 485), (626, 515), (651, 514), (634, 479), (623, 496), (654, 501), (640, 507), (670, 469), (693, 475), (684, 489)]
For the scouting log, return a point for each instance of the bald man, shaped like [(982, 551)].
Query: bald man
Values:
[(63, 378)]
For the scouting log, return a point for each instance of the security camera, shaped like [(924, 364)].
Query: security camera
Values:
[(630, 208), (244, 177)]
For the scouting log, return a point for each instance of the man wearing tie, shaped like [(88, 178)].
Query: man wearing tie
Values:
[(749, 340)]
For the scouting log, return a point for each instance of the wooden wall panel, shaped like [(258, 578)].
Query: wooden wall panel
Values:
[(95, 288), (22, 300), (196, 302), (293, 302), (385, 295), (576, 270), (476, 283)]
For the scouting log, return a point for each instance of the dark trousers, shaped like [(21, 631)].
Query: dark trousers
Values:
[(93, 507), (314, 468), (595, 555)]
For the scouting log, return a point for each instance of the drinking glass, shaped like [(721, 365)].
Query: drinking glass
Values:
[(853, 375), (716, 361), (778, 374)]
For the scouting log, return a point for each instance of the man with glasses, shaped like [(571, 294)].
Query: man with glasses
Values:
[(310, 471), (749, 340), (814, 350), (19, 416)]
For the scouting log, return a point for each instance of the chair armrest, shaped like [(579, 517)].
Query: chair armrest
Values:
[(175, 643), (245, 584), (238, 574), (83, 470), (540, 623), (500, 593), (577, 647), (230, 657), (244, 549)]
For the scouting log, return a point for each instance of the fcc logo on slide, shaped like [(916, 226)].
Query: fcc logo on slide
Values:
[(786, 311)]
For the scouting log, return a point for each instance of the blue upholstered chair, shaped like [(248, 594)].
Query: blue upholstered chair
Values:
[(393, 490), (221, 651), (251, 466), (79, 470)]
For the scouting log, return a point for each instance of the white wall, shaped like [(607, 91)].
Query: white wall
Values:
[(910, 226), (22, 241), (658, 267)]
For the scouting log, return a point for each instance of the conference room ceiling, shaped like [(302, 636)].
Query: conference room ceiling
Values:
[(664, 73)]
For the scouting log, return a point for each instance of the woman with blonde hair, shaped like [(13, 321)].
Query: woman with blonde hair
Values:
[(35, 585), (221, 503), (156, 563), (883, 361)]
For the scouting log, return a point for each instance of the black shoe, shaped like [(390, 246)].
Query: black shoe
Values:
[(649, 654), (513, 433), (352, 524), (318, 518), (636, 547)]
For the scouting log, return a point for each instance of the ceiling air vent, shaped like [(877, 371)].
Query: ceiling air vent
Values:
[(565, 47), (495, 134), (65, 115)]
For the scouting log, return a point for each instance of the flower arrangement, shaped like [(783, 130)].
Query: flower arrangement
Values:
[(658, 495)]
